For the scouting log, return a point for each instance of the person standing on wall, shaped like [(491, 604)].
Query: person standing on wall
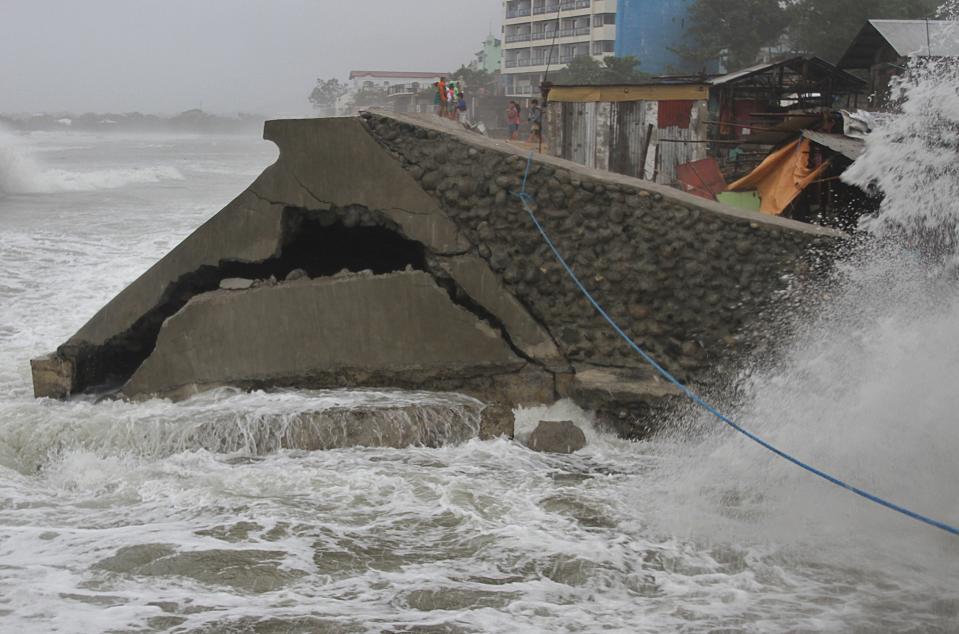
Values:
[(512, 120), (461, 108), (535, 119), (441, 96)]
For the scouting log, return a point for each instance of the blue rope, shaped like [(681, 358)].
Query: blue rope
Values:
[(695, 398)]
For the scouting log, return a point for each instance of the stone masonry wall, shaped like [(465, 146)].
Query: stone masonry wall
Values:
[(685, 281)]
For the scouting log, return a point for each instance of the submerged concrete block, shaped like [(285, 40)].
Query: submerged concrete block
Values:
[(442, 419), (52, 376)]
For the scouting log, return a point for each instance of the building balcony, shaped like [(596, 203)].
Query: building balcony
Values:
[(575, 32), (604, 32), (571, 5), (529, 62), (548, 8), (524, 90), (517, 37), (518, 13)]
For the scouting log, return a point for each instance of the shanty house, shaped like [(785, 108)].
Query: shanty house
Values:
[(619, 128), (650, 130), (883, 48)]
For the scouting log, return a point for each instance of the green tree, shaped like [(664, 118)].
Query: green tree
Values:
[(622, 70), (581, 70), (369, 96), (587, 70), (326, 93), (826, 27), (736, 29), (477, 81)]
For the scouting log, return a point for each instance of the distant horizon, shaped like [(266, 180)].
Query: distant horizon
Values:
[(170, 56)]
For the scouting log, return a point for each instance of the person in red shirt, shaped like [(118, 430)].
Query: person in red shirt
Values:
[(441, 88)]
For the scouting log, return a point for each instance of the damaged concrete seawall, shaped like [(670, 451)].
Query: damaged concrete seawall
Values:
[(409, 199)]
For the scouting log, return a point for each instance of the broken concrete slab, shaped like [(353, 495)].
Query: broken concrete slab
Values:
[(400, 328)]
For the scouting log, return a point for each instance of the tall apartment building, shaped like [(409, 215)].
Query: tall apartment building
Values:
[(537, 33)]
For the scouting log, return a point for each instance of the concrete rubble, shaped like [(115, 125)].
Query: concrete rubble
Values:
[(551, 436)]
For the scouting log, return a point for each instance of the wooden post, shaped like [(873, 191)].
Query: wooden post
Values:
[(656, 164), (642, 160)]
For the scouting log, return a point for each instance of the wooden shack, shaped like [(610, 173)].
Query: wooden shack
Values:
[(883, 49), (648, 130)]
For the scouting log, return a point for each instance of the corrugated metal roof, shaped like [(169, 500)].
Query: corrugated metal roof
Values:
[(847, 146), (739, 74), (909, 38), (812, 65)]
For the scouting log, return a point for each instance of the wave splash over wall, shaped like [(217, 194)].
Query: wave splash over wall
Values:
[(21, 172), (864, 386)]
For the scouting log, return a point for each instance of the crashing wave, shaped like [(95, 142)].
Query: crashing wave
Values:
[(22, 173)]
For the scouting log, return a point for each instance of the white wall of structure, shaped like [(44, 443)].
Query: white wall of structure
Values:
[(550, 33)]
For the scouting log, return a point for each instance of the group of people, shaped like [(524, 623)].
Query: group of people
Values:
[(534, 117), (450, 100)]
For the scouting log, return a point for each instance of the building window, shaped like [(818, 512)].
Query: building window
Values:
[(603, 46), (602, 19)]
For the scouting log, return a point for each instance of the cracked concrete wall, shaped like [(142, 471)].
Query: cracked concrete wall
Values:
[(689, 279), (336, 163)]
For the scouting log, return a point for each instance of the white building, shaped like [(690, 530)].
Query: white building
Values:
[(394, 82), (541, 33), (386, 79)]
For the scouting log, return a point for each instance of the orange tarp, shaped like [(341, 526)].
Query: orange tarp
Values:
[(780, 177)]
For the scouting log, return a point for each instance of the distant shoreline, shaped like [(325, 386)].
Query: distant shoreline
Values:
[(193, 121)]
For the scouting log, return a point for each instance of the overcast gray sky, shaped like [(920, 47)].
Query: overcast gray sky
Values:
[(225, 56)]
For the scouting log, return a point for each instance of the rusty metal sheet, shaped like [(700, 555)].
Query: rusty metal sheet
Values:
[(701, 178)]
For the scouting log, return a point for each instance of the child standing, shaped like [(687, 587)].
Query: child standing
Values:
[(512, 120)]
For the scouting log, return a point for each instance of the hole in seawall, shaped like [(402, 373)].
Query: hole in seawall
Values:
[(322, 243)]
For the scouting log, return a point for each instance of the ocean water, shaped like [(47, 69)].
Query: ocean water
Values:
[(114, 517)]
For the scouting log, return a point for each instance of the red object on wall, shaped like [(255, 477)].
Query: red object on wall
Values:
[(739, 111), (701, 178), (675, 113)]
